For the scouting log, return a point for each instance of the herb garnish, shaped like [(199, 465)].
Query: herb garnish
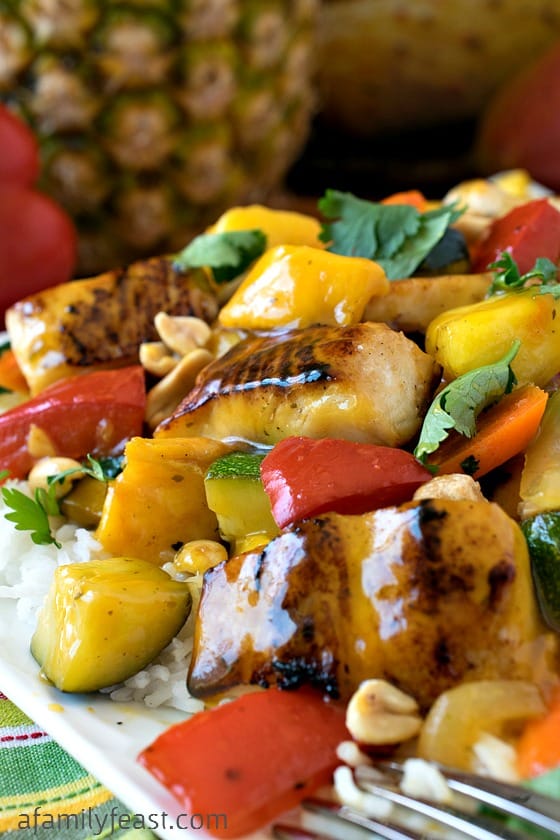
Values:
[(32, 513), (458, 405), (543, 277), (227, 254), (398, 237)]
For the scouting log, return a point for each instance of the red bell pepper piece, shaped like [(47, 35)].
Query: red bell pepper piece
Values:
[(243, 763), (95, 413), (304, 477), (527, 232)]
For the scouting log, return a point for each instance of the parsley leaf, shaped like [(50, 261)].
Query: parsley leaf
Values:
[(396, 236), (508, 278), (226, 254), (32, 514), (458, 405)]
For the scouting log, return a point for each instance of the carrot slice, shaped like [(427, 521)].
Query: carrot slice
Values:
[(11, 377), (503, 431), (538, 748), (414, 198)]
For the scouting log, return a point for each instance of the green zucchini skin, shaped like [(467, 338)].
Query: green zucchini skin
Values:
[(542, 533)]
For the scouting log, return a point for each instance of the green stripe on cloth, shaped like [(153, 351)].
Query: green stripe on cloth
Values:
[(45, 794)]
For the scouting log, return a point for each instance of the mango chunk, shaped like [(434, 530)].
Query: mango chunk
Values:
[(468, 337), (281, 227), (297, 286), (158, 503)]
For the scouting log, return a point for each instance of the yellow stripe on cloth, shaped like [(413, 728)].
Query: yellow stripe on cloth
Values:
[(72, 798)]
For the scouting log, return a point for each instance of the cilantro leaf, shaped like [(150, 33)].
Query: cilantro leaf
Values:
[(103, 469), (226, 254), (458, 405), (508, 278), (32, 514), (396, 236)]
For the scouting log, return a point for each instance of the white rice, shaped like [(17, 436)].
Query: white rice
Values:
[(26, 572)]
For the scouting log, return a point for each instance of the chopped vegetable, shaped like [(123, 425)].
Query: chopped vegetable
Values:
[(502, 431), (297, 286), (226, 254), (527, 232), (94, 413), (248, 760), (459, 403), (305, 477), (414, 198), (396, 236), (450, 255), (539, 488), (84, 503), (538, 749), (235, 492), (542, 533), (105, 620)]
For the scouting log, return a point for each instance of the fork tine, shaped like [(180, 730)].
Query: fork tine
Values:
[(510, 799), (344, 815), (472, 825)]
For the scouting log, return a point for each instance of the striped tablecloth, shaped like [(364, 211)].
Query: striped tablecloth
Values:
[(46, 795)]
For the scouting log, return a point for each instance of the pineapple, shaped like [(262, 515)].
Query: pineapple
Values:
[(153, 117)]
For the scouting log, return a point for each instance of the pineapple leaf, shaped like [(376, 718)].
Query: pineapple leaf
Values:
[(227, 254)]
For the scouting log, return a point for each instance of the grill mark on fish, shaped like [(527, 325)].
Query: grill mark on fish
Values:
[(246, 371), (116, 319)]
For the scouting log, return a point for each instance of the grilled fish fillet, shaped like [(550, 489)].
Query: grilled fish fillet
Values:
[(363, 382), (100, 322), (412, 303), (425, 595)]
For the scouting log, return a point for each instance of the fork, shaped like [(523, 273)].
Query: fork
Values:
[(460, 819)]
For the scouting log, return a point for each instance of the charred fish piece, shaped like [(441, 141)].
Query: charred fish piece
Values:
[(364, 382), (101, 321), (425, 595)]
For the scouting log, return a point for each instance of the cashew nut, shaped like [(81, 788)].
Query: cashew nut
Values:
[(47, 467), (380, 713), (454, 486), (182, 334), (197, 556), (166, 395), (156, 359)]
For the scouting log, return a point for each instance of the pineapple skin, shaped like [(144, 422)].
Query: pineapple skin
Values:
[(154, 117)]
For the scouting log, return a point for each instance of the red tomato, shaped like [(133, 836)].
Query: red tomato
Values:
[(529, 231), (37, 244), (19, 161), (95, 413), (304, 477), (249, 760)]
